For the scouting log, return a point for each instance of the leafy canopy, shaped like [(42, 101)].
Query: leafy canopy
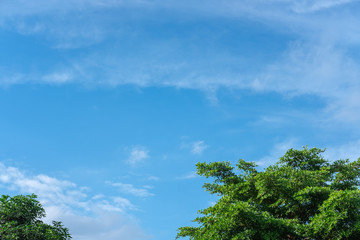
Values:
[(302, 196), (20, 220)]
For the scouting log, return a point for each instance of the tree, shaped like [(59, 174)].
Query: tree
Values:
[(302, 196), (20, 219)]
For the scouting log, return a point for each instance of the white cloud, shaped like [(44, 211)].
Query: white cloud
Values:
[(277, 151), (188, 176), (130, 189), (67, 23), (318, 61), (98, 196), (102, 225), (153, 178), (350, 150), (302, 6), (9, 8), (137, 155), (58, 78), (87, 217), (321, 70), (198, 147)]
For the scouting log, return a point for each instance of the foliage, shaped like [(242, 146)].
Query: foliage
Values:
[(20, 220), (302, 196)]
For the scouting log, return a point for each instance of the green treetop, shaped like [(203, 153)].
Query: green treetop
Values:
[(20, 219), (302, 196)]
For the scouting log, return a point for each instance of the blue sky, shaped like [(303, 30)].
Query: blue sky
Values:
[(106, 106)]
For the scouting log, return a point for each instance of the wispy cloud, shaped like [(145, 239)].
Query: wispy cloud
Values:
[(58, 78), (277, 151), (48, 188), (66, 24), (198, 147), (8, 7), (188, 176), (153, 178), (131, 189), (350, 150), (103, 225), (313, 6), (324, 71), (317, 55), (137, 155), (87, 217)]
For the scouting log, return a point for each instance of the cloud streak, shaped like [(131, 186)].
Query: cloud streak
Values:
[(317, 50), (198, 147), (130, 189), (190, 175)]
